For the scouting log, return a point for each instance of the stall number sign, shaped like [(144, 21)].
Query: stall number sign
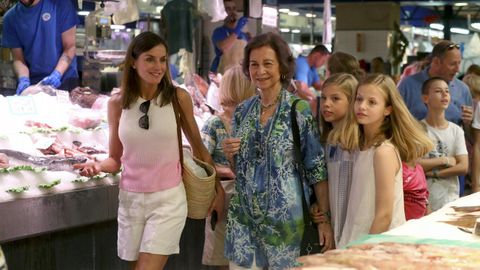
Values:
[(21, 105), (63, 97)]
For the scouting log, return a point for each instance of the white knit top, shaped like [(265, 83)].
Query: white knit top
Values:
[(150, 157)]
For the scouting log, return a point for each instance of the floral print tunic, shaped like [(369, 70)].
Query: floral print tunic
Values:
[(265, 218), (213, 133)]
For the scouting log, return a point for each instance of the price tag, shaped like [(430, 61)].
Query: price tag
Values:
[(21, 105), (63, 96)]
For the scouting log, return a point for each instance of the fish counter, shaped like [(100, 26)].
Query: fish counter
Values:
[(50, 216)]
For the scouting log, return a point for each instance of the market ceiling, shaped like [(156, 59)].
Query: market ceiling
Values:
[(416, 13)]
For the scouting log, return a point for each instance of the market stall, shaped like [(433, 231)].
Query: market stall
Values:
[(48, 211), (445, 239)]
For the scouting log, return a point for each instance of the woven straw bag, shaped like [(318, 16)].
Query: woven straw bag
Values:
[(200, 190)]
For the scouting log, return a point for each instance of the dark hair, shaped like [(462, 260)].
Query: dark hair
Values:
[(442, 47), (473, 69), (282, 51), (426, 84), (131, 81), (320, 48), (340, 62)]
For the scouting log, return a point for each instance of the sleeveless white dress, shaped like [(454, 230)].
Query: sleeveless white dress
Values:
[(361, 204)]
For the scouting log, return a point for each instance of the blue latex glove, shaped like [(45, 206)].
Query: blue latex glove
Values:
[(240, 24), (53, 79), (23, 83)]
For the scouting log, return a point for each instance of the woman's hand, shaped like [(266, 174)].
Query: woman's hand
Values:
[(325, 234), (218, 202), (230, 147), (315, 213), (88, 169)]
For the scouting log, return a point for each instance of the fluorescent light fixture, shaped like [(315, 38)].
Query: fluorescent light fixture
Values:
[(293, 13), (461, 4), (310, 15), (296, 31), (284, 10), (157, 17), (284, 30), (476, 25), (333, 18), (117, 27), (129, 30), (83, 13), (159, 9), (436, 26), (459, 30)]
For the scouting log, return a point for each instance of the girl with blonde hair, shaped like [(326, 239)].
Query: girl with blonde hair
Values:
[(473, 82), (234, 88), (388, 132), (337, 95)]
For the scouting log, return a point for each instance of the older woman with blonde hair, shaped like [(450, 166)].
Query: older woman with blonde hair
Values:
[(234, 88)]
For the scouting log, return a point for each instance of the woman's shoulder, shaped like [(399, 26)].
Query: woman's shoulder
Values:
[(115, 100), (182, 94)]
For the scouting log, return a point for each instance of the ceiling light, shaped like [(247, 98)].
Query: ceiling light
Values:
[(284, 30), (293, 13), (117, 26), (459, 30), (310, 15), (461, 4), (83, 13), (284, 10), (296, 31), (436, 26), (476, 25)]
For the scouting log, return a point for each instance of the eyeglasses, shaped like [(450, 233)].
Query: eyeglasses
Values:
[(143, 122), (453, 45)]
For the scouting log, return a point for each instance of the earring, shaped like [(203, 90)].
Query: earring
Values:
[(283, 77)]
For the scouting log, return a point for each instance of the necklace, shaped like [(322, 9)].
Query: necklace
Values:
[(268, 106)]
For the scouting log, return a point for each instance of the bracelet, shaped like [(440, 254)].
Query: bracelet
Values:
[(327, 214), (435, 173), (324, 222)]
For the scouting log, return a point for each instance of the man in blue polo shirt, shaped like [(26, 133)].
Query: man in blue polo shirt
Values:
[(229, 40), (445, 63), (306, 75), (41, 35)]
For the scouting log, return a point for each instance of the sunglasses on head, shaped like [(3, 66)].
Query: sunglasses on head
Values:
[(453, 45), (143, 122)]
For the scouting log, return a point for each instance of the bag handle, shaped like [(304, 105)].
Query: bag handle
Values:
[(298, 160), (177, 109)]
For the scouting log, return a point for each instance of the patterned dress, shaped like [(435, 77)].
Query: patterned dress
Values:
[(265, 218), (213, 133)]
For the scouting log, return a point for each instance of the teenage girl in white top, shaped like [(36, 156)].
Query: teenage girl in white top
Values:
[(387, 132)]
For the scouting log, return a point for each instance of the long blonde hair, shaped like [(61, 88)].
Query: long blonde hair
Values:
[(347, 83), (235, 87), (400, 127)]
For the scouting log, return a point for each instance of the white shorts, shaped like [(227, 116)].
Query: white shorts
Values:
[(150, 222)]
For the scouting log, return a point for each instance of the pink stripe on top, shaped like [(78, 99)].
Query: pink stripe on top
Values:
[(150, 157)]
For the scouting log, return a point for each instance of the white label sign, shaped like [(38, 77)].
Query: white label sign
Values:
[(270, 16), (63, 96), (21, 105)]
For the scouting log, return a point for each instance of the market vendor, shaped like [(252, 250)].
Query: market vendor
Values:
[(41, 35)]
